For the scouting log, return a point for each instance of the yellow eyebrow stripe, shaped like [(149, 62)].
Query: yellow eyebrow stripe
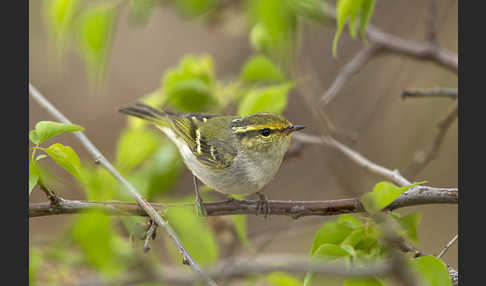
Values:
[(241, 129)]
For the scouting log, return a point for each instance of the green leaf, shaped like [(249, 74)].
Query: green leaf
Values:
[(330, 233), (33, 137), (190, 86), (67, 158), (349, 249), (354, 237), (328, 252), (432, 271), (93, 232), (350, 220), (33, 176), (366, 12), (240, 224), (195, 234), (99, 185), (282, 279), (410, 224), (60, 15), (194, 8), (260, 69), (270, 99), (344, 9), (260, 38), (349, 10), (45, 130), (310, 9), (190, 95), (356, 5), (275, 27), (96, 28), (161, 172), (35, 260), (134, 147), (363, 282), (41, 156), (383, 194)]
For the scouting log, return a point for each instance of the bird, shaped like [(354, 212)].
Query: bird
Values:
[(233, 155)]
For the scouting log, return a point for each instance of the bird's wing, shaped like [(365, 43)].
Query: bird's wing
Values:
[(212, 151)]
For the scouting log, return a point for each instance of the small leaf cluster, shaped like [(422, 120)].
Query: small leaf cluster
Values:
[(89, 26), (349, 10), (65, 156), (353, 240)]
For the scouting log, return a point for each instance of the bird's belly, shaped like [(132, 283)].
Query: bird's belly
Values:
[(236, 179)]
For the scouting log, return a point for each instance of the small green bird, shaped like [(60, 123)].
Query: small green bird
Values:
[(231, 154)]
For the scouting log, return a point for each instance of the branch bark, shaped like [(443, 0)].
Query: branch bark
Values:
[(295, 209), (147, 208)]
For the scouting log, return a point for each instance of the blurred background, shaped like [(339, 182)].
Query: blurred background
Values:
[(390, 131)]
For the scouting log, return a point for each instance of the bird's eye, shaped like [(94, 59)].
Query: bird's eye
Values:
[(265, 132)]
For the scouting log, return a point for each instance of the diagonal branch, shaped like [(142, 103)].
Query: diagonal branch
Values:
[(295, 209), (349, 70), (147, 208), (448, 246)]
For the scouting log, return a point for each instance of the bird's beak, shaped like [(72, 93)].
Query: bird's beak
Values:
[(294, 128)]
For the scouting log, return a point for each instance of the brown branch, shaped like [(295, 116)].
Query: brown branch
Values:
[(424, 158), (419, 196), (431, 92)]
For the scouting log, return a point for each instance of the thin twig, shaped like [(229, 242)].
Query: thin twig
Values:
[(51, 196), (151, 233), (424, 158), (448, 246), (431, 92), (128, 186), (356, 157), (295, 209), (349, 70)]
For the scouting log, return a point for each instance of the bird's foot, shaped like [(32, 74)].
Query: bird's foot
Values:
[(263, 207), (200, 208)]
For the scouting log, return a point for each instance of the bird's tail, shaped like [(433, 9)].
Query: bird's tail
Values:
[(148, 113)]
